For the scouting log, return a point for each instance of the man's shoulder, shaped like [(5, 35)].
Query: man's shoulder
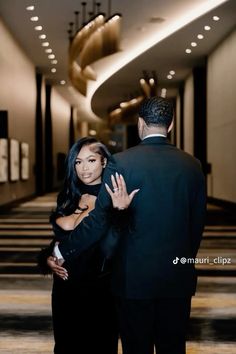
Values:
[(123, 154)]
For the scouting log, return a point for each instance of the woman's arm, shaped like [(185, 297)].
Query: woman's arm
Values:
[(69, 222)]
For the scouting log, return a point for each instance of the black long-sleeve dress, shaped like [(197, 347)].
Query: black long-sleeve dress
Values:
[(83, 309)]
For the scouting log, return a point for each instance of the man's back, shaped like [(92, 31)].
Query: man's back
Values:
[(168, 215)]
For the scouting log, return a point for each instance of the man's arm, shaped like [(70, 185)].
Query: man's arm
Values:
[(92, 228)]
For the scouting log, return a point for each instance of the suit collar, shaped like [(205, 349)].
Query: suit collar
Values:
[(155, 140)]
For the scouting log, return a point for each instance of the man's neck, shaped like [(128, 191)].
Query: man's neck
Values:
[(154, 135)]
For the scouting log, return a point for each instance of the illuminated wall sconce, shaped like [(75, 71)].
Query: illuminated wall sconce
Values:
[(94, 41)]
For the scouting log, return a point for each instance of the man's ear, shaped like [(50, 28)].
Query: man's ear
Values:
[(171, 125), (141, 123)]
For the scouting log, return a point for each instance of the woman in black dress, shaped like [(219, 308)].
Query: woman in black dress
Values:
[(83, 311)]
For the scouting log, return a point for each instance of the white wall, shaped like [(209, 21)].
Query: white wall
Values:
[(18, 97), (188, 115), (221, 116)]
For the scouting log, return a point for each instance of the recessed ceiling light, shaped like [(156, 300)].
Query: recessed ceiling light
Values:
[(207, 28), (42, 36), (45, 44), (169, 77), (142, 81), (151, 81), (172, 72), (51, 56), (53, 70), (54, 61), (188, 51), (48, 50), (62, 82), (200, 36), (30, 8), (193, 44), (34, 18), (38, 28), (215, 18)]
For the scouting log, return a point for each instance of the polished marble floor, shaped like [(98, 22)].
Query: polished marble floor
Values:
[(25, 315)]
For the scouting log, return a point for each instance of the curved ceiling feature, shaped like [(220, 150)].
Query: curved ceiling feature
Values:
[(153, 37)]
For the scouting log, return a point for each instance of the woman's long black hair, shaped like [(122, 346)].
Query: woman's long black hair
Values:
[(68, 198)]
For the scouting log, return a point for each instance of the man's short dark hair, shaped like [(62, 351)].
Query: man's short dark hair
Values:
[(157, 111)]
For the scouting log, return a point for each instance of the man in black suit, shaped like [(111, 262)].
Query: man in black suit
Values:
[(154, 276)]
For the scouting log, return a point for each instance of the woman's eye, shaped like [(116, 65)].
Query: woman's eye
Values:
[(77, 162), (92, 160)]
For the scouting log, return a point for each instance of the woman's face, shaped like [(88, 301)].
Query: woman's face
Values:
[(88, 165)]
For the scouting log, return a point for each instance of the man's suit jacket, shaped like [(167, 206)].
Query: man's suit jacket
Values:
[(168, 219)]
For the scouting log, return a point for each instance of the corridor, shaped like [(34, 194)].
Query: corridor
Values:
[(25, 319)]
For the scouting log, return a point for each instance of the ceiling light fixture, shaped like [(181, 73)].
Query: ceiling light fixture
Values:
[(193, 44), (207, 28), (38, 28), (48, 50), (200, 36), (172, 72), (34, 18), (95, 40), (215, 18), (169, 77), (30, 8), (51, 56), (42, 36), (45, 44), (54, 61), (188, 51), (62, 82), (53, 70)]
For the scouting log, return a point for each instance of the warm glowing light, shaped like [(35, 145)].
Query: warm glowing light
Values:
[(38, 28), (215, 18), (116, 111), (188, 51), (193, 44), (207, 28), (53, 70), (34, 18), (92, 132), (51, 56), (151, 81), (200, 36), (169, 77), (62, 82), (54, 61), (142, 81), (45, 44), (30, 8), (48, 50), (163, 92), (42, 36), (172, 72), (124, 104)]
